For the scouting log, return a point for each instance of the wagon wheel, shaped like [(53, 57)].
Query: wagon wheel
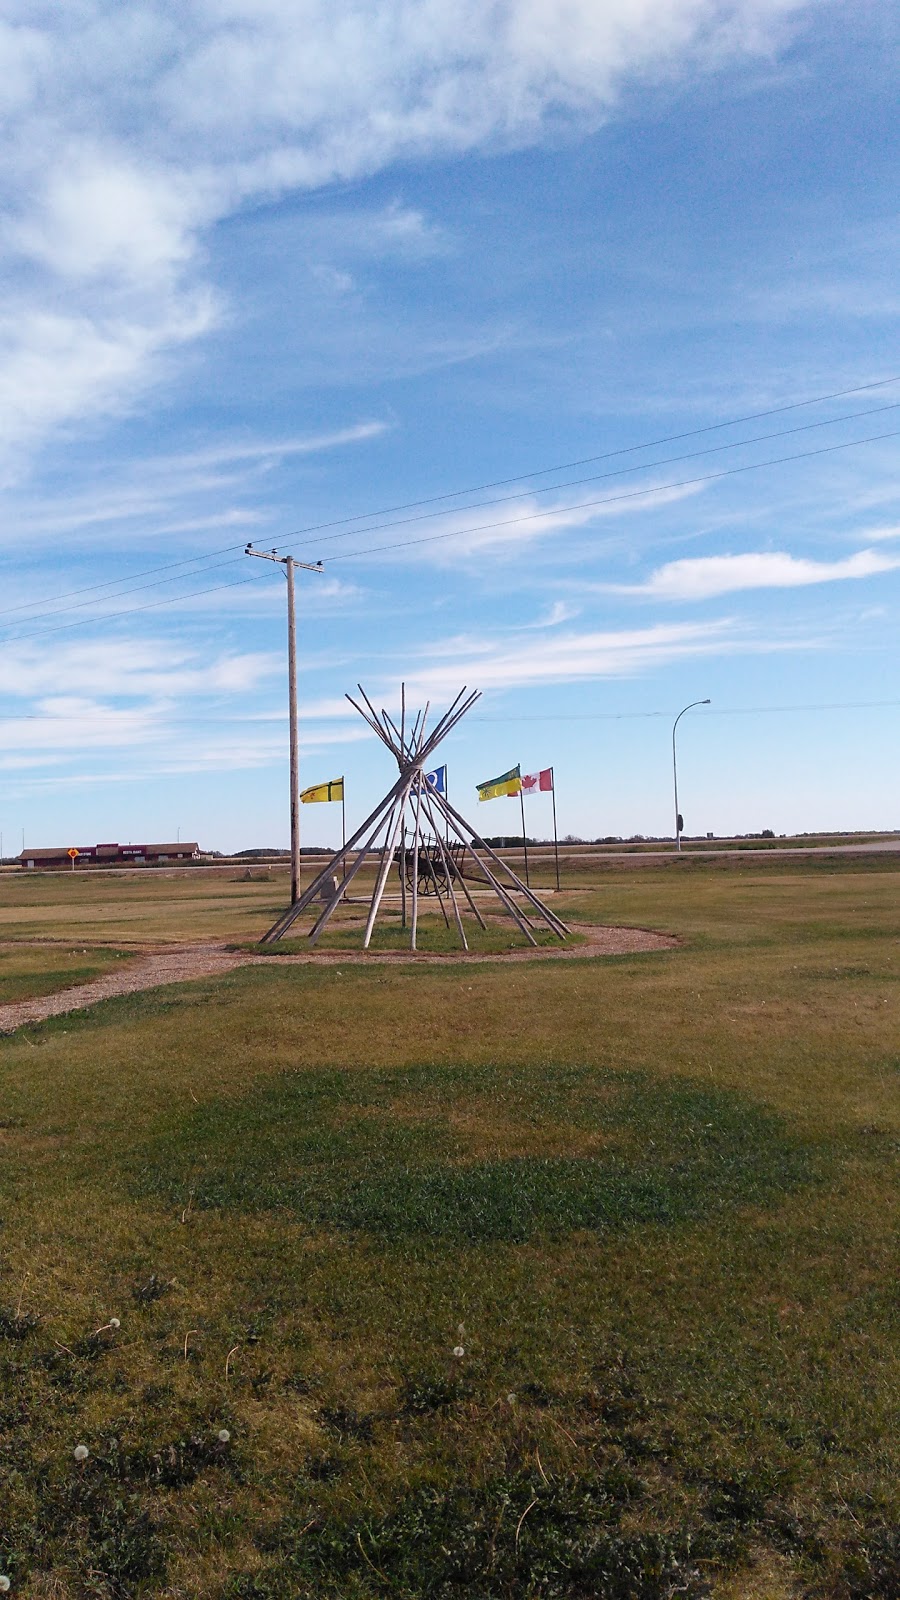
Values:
[(432, 874)]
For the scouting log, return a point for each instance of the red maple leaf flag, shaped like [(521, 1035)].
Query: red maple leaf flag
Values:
[(534, 782)]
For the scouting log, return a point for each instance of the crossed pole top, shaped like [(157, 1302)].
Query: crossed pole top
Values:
[(412, 749)]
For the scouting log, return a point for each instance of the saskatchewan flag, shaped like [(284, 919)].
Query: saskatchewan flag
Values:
[(509, 783), (323, 791)]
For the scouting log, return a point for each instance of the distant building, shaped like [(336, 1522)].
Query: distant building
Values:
[(110, 855)]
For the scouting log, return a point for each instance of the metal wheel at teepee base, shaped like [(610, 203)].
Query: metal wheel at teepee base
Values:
[(405, 828)]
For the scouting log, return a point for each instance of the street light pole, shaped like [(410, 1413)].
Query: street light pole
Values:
[(678, 823), (290, 565)]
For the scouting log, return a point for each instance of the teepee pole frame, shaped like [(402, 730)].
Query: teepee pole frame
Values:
[(412, 746)]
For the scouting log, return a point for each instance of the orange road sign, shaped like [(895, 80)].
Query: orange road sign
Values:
[(72, 853)]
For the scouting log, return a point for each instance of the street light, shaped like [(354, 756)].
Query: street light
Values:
[(678, 820)]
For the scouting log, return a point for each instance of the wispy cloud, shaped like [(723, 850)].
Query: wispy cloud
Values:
[(460, 534), (110, 197), (881, 535), (126, 667), (581, 657), (236, 452), (704, 577)]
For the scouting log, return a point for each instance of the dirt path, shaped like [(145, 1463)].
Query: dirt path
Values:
[(148, 972), (186, 962)]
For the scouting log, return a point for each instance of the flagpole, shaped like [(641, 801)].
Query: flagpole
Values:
[(524, 835), (344, 819), (555, 835)]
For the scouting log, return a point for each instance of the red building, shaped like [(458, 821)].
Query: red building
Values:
[(110, 855)]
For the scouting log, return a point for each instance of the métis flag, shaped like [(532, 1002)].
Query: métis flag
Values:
[(323, 791), (508, 783), (437, 780), (536, 782)]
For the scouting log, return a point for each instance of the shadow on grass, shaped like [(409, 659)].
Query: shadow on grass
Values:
[(383, 1153)]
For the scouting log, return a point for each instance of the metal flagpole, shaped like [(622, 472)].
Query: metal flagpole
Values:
[(344, 818), (555, 835), (524, 835)]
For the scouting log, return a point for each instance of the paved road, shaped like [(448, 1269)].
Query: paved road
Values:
[(542, 853), (605, 853)]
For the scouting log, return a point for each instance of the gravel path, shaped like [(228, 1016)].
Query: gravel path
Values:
[(185, 962), (174, 965)]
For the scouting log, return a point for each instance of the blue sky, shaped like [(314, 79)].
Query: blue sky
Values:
[(276, 267)]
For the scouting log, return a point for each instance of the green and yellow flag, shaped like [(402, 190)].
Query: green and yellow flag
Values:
[(509, 783), (323, 791)]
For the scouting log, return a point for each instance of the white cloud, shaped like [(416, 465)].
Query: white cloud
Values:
[(451, 536), (128, 667), (58, 366), (192, 491), (559, 612), (576, 657), (132, 129), (269, 451), (99, 217), (880, 535), (702, 577)]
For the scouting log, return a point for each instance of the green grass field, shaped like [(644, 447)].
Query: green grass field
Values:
[(27, 971), (553, 1279)]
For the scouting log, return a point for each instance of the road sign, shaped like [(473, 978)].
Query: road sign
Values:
[(72, 853)]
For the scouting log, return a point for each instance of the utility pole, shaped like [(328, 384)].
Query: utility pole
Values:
[(289, 565)]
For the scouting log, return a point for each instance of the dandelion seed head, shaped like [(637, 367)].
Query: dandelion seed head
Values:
[(81, 1452), (510, 1399), (458, 1350), (224, 1436), (114, 1322), (4, 1583)]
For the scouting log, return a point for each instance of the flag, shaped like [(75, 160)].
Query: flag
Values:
[(437, 780), (323, 791), (508, 783), (534, 782)]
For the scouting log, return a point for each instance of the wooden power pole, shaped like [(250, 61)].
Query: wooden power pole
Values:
[(290, 565)]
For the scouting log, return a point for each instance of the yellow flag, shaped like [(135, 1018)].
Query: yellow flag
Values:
[(323, 791), (508, 783)]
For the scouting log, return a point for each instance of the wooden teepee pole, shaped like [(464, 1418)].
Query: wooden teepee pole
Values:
[(448, 875), (338, 895), (390, 845), (280, 927), (414, 920), (463, 885), (549, 917), (500, 891)]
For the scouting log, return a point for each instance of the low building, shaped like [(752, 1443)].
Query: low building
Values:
[(109, 855)]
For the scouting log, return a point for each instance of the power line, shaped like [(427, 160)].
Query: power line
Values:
[(753, 416), (645, 466), (554, 716), (608, 455), (719, 711), (139, 588), (131, 611), (614, 499), (459, 533), (621, 472)]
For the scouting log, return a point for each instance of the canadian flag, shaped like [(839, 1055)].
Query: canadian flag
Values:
[(533, 782)]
